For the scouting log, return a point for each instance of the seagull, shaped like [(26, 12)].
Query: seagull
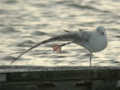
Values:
[(93, 41)]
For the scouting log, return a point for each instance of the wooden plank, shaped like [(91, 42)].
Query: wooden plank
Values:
[(3, 77), (59, 78), (10, 69), (65, 75), (32, 73)]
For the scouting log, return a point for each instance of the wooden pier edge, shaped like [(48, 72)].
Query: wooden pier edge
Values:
[(38, 74), (64, 73)]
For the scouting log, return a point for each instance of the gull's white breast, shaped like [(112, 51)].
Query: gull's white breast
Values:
[(97, 42)]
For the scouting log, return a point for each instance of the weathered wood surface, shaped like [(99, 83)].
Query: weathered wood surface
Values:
[(20, 73), (58, 78)]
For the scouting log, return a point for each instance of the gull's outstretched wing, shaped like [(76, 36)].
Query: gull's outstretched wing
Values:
[(77, 36), (83, 38), (64, 37)]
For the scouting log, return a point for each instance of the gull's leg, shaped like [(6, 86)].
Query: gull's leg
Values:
[(91, 55)]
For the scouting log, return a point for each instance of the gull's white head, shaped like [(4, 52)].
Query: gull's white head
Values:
[(101, 30)]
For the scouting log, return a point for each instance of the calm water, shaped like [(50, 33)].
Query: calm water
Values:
[(24, 23)]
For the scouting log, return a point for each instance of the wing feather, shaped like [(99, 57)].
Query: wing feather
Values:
[(64, 37)]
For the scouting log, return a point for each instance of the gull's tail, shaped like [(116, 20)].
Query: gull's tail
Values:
[(64, 37)]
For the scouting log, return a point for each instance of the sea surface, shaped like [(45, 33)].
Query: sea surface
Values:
[(23, 23)]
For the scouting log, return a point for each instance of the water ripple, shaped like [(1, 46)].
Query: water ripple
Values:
[(23, 26)]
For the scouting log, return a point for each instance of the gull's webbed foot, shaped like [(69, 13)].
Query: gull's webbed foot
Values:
[(57, 48)]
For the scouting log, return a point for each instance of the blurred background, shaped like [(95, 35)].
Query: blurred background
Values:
[(23, 23)]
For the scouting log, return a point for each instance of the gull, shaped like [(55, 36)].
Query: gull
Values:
[(93, 41)]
